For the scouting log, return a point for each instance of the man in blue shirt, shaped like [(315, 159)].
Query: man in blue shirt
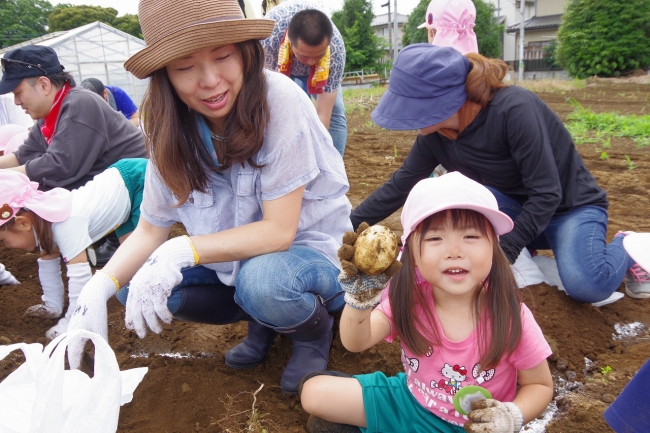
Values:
[(116, 98)]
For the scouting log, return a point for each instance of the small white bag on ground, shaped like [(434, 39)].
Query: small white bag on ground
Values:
[(40, 396)]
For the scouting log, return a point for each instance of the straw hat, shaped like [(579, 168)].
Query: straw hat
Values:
[(176, 28)]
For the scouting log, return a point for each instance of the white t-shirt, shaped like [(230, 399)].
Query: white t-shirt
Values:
[(12, 113), (98, 208)]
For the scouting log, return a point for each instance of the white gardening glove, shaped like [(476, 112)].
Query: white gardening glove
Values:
[(90, 313), (153, 284), (6, 278), (493, 416), (49, 273), (78, 275)]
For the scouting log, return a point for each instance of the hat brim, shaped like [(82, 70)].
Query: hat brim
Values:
[(637, 246), (500, 221), (7, 86), (196, 38), (401, 113)]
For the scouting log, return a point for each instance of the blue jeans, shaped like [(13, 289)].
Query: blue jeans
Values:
[(338, 122), (277, 289), (590, 269)]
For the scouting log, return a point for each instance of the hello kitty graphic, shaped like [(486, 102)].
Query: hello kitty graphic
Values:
[(454, 377)]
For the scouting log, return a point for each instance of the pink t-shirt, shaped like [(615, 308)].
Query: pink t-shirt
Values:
[(435, 378)]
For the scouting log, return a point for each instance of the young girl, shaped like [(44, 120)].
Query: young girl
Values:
[(64, 223), (455, 308)]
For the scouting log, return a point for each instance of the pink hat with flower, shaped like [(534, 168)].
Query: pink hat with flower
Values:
[(453, 21), (18, 192)]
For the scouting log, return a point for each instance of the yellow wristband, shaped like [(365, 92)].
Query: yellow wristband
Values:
[(112, 277), (196, 255)]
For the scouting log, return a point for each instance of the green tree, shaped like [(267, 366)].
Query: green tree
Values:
[(488, 31), (362, 47), (21, 20), (128, 24), (70, 17), (604, 37), (413, 35)]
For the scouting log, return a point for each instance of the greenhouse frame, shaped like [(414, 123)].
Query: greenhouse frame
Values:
[(95, 50)]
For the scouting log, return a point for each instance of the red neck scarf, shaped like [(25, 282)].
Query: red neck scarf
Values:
[(50, 120)]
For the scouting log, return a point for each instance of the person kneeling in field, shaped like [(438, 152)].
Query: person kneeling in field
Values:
[(225, 135), (509, 140), (62, 224), (467, 340)]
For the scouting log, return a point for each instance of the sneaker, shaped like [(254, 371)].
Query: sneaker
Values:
[(637, 284)]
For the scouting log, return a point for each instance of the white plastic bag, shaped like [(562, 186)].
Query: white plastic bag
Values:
[(40, 396)]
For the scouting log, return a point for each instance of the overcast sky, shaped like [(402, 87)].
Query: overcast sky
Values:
[(131, 6)]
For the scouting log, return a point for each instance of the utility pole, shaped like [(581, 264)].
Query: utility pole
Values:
[(390, 54), (522, 25), (395, 48)]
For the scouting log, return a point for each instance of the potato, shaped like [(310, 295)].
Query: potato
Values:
[(375, 249)]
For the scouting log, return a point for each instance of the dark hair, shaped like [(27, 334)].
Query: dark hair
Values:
[(174, 142), (496, 305), (57, 80), (42, 228), (311, 26), (485, 77)]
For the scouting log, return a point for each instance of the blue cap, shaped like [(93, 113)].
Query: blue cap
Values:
[(27, 62), (426, 87)]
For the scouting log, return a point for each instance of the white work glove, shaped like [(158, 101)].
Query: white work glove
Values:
[(49, 273), (6, 278), (90, 313), (78, 275), (493, 416), (153, 284)]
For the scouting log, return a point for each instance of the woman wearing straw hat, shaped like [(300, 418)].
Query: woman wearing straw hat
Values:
[(507, 139), (239, 156)]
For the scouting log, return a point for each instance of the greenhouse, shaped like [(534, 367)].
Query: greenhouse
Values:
[(95, 50)]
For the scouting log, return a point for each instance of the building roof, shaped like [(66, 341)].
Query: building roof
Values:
[(382, 20), (539, 23)]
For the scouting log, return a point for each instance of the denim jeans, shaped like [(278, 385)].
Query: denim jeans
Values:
[(338, 122), (590, 269), (278, 289)]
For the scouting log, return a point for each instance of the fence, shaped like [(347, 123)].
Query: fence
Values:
[(533, 65)]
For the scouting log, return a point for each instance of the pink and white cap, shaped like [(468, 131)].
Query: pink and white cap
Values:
[(18, 192), (453, 21), (637, 246), (451, 191)]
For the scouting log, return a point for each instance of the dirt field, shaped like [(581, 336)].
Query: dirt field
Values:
[(189, 389)]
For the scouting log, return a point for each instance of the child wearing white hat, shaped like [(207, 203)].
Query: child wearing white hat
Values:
[(63, 224)]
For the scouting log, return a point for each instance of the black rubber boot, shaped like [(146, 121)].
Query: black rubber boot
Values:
[(209, 304), (253, 350), (311, 346), (105, 251)]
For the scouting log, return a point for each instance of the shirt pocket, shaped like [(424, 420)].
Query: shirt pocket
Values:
[(246, 182), (198, 199)]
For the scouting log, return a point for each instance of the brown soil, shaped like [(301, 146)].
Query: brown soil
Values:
[(198, 393)]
